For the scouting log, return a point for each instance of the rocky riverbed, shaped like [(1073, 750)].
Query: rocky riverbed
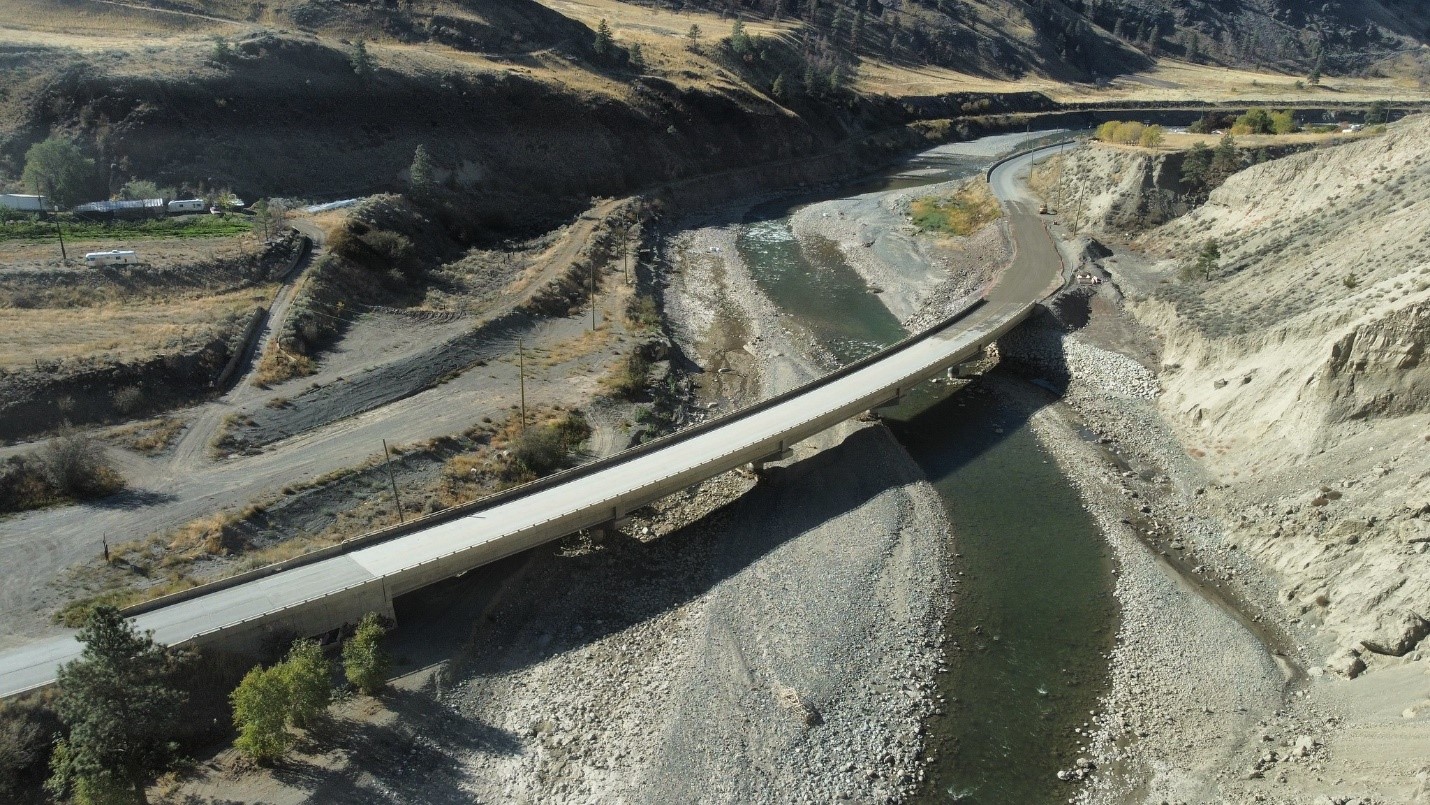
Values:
[(1215, 695)]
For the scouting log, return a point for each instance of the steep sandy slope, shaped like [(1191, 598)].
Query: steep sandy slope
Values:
[(1110, 188), (1297, 372)]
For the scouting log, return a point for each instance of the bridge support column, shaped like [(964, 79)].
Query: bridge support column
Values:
[(889, 403), (609, 529), (962, 371), (758, 465)]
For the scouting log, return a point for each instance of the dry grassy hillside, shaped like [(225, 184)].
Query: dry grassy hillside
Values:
[(1298, 372)]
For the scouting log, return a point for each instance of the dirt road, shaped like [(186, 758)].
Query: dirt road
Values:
[(188, 483)]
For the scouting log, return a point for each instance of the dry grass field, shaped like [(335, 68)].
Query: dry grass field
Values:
[(1184, 141), (158, 252), (120, 332), (95, 25), (1169, 81), (135, 40)]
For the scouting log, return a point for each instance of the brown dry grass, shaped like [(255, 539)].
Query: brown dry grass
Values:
[(115, 332), (170, 40), (95, 25), (278, 365), (150, 438), (157, 252), (1169, 80), (1183, 142)]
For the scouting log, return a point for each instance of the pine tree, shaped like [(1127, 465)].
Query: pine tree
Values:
[(605, 43), (637, 57), (221, 52), (778, 89), (120, 709), (1225, 161), (693, 36), (420, 175), (1207, 260), (360, 60), (1196, 167), (739, 40)]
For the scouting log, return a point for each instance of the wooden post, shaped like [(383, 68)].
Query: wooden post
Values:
[(392, 479), (521, 377), (592, 296)]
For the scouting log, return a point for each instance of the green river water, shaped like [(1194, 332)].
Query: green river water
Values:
[(1033, 613)]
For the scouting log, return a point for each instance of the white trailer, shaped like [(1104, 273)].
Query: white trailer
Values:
[(115, 257), (17, 201), (187, 205)]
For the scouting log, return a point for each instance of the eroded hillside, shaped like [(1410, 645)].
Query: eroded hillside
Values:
[(1297, 373)]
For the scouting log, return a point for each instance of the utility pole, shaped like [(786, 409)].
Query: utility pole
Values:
[(521, 376), (591, 296), (626, 249), (392, 479), (64, 258)]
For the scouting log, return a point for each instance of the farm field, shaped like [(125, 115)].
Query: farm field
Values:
[(116, 332)]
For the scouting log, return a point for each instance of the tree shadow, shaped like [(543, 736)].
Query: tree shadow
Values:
[(132, 499), (407, 760)]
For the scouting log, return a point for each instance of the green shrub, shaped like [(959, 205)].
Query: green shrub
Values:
[(76, 466), (309, 678), (260, 711), (631, 376), (365, 662), (27, 734)]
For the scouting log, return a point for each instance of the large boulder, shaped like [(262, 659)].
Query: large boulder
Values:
[(1397, 632)]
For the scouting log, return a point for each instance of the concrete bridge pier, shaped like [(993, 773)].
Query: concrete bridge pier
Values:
[(758, 465), (604, 531)]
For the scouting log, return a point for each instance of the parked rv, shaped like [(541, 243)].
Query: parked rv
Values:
[(115, 257), (186, 205)]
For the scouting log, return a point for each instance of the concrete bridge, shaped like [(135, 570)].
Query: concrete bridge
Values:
[(321, 591)]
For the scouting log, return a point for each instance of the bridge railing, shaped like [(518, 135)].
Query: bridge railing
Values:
[(466, 509), (988, 174)]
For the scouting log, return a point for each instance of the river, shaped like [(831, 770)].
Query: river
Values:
[(1033, 614)]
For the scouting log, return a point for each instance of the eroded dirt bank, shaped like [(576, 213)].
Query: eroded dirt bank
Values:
[(1275, 469)]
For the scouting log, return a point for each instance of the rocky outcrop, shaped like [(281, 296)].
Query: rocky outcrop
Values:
[(1115, 189), (1378, 369), (1297, 375)]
